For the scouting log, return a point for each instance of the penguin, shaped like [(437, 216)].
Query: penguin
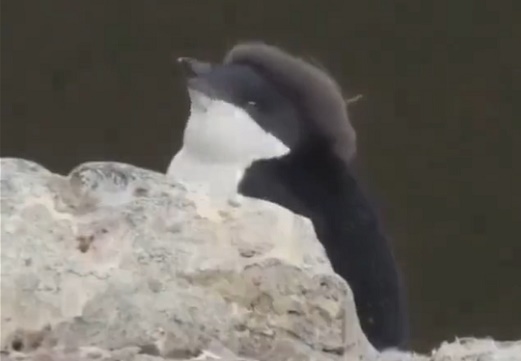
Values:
[(266, 124)]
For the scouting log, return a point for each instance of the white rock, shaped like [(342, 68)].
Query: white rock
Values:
[(113, 256)]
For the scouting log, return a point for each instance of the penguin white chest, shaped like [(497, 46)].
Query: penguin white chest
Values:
[(220, 141)]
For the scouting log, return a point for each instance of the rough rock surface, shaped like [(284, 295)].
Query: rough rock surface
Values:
[(113, 256), (114, 262)]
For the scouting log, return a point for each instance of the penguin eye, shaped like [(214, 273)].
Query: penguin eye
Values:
[(257, 104)]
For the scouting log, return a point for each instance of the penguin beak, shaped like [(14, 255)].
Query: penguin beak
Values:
[(195, 72), (193, 67)]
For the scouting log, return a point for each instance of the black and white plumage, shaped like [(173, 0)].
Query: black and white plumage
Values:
[(271, 126)]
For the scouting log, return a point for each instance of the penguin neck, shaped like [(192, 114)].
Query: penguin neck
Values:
[(219, 180), (220, 141)]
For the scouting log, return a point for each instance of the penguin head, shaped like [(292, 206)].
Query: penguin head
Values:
[(261, 102), (236, 115)]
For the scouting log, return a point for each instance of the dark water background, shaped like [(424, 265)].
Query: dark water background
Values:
[(439, 135)]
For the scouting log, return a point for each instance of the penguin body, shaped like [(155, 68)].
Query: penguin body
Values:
[(268, 125)]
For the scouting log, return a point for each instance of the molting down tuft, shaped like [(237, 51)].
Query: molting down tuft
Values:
[(317, 95)]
